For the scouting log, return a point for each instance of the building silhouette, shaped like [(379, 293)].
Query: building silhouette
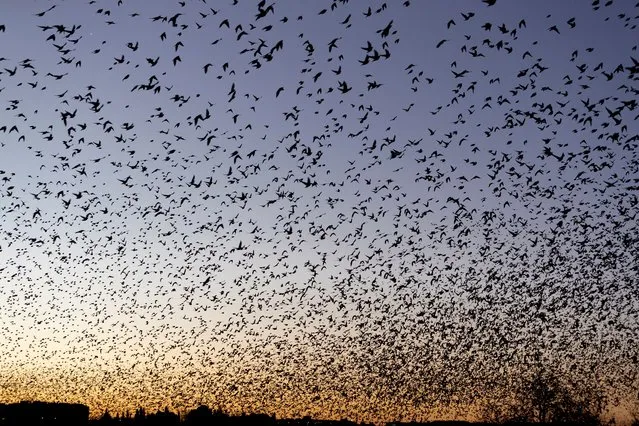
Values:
[(43, 413)]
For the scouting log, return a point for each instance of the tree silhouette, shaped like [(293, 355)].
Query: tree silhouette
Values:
[(546, 398), (106, 417)]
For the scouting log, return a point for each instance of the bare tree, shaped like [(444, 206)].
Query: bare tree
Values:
[(546, 398)]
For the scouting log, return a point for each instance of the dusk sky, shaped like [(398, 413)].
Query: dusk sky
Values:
[(345, 209)]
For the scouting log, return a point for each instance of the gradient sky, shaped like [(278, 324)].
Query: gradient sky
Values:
[(372, 210)]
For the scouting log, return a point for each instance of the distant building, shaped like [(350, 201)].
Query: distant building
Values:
[(43, 414)]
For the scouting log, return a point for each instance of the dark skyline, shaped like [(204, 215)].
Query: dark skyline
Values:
[(65, 414), (338, 209)]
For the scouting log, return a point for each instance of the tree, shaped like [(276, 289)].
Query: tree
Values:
[(545, 398), (106, 417)]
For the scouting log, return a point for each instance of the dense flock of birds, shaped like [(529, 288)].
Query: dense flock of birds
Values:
[(360, 209)]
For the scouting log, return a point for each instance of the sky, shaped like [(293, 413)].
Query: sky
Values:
[(364, 210)]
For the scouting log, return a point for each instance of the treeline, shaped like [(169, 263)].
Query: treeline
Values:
[(203, 415), (27, 413), (62, 414)]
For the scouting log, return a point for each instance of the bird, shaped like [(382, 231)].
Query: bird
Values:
[(249, 229)]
